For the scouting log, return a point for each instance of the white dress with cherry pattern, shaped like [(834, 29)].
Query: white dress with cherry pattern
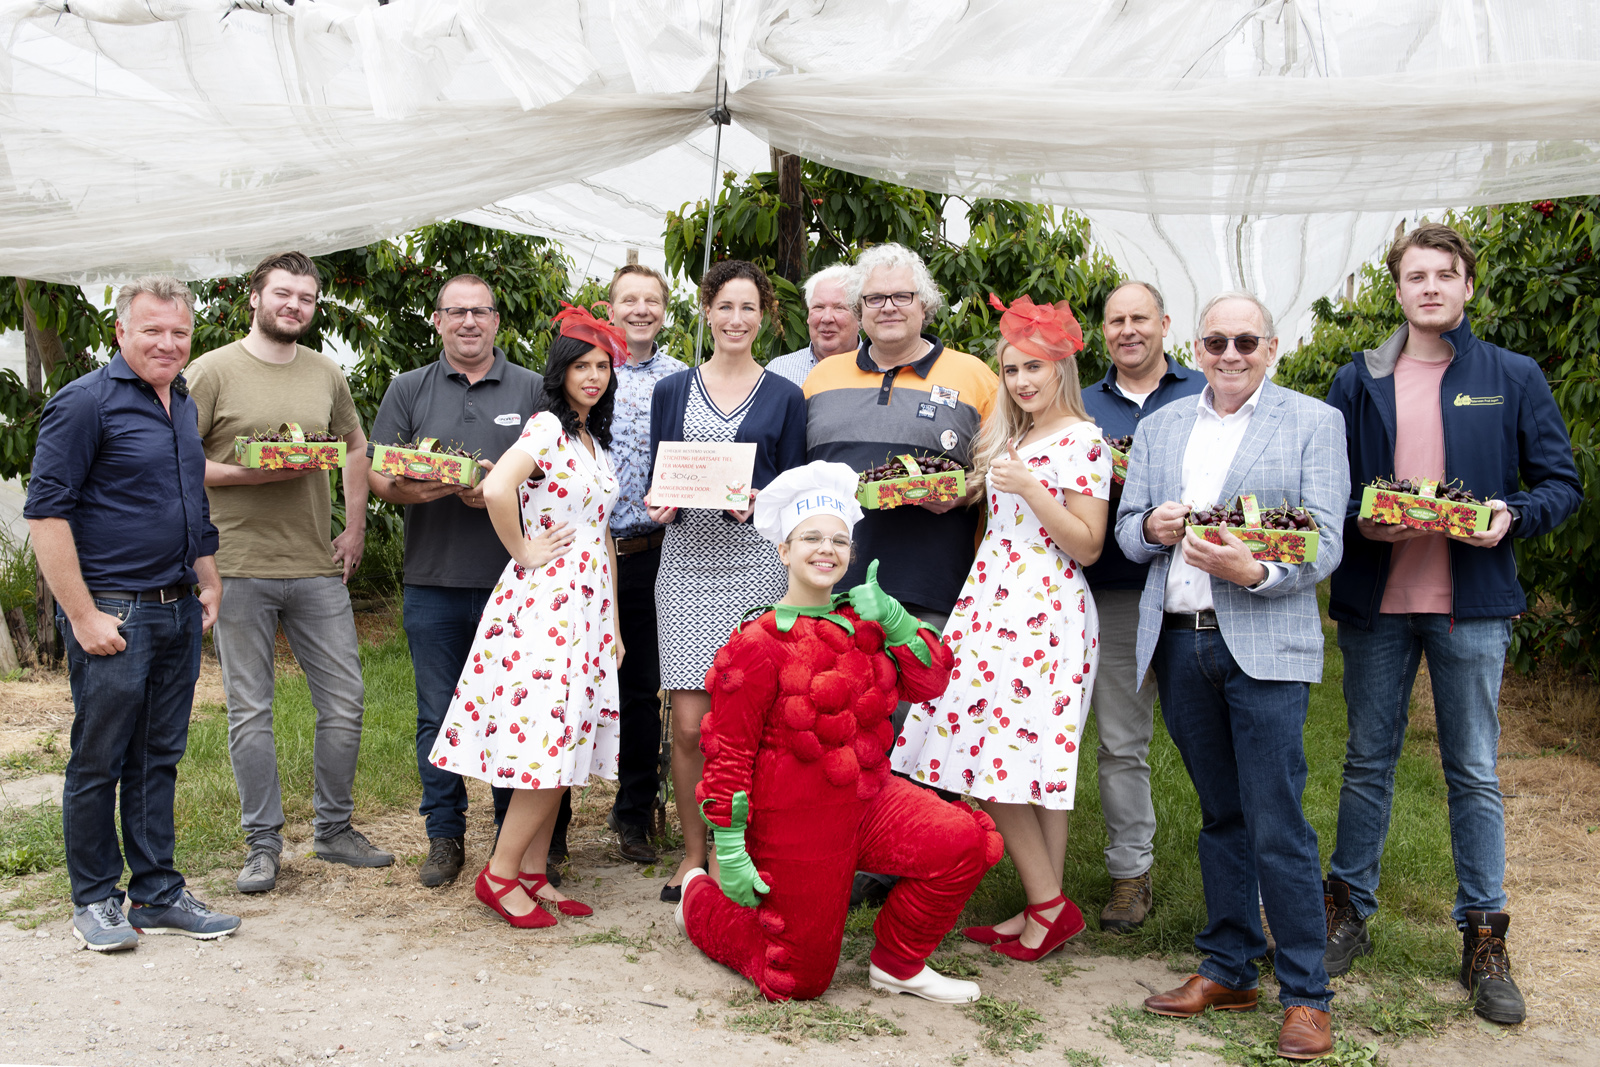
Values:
[(536, 706)]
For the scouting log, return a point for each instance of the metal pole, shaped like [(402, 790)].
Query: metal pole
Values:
[(720, 116)]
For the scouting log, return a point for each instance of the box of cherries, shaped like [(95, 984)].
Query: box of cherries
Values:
[(1282, 534), (289, 449), (427, 461), (911, 480), (1424, 505), (1119, 457)]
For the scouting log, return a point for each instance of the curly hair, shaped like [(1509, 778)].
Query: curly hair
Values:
[(564, 352), (726, 270)]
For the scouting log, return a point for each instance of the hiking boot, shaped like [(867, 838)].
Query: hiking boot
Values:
[(1486, 968), (1129, 904), (102, 928), (185, 916), (350, 847), (260, 874), (1347, 931), (445, 858), (632, 841)]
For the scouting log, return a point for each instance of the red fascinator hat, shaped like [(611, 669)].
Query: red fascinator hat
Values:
[(580, 323), (1048, 331)]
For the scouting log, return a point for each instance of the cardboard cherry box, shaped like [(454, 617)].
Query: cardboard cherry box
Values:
[(1423, 511), (294, 453), (427, 464), (915, 486), (1264, 542), (1119, 460)]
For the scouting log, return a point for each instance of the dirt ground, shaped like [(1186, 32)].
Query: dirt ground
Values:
[(367, 967)]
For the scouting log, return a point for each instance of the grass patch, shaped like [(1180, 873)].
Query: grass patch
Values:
[(32, 841), (1347, 1052), (1079, 1058), (636, 946), (954, 964), (1139, 1032), (1008, 1025), (793, 1021), (1397, 1010), (1062, 969)]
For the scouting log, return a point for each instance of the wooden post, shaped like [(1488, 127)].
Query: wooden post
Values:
[(791, 255), (49, 651), (8, 651), (633, 257), (18, 628), (1350, 289)]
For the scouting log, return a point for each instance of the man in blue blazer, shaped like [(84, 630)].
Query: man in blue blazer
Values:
[(1236, 644)]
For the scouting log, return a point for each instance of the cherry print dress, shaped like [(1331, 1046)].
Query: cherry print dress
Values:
[(1026, 640), (536, 706)]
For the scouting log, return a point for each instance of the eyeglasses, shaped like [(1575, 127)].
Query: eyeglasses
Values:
[(460, 314), (876, 300), (813, 540), (1244, 344)]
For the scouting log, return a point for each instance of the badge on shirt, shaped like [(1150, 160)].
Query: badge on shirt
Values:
[(943, 394), (927, 411), (947, 440), (510, 418)]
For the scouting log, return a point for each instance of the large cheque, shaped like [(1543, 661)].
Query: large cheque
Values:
[(700, 474)]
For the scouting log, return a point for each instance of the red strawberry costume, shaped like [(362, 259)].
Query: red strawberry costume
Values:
[(800, 722)]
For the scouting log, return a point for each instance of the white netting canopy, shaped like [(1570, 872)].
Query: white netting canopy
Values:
[(1271, 145)]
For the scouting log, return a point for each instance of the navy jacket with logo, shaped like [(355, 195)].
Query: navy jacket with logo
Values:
[(1502, 431)]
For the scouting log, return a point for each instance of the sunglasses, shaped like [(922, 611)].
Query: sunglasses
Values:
[(1244, 344)]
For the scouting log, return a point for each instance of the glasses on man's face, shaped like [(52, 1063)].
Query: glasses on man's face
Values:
[(1244, 343), (461, 314), (877, 300), (813, 540)]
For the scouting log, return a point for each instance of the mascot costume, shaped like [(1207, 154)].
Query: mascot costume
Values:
[(797, 789)]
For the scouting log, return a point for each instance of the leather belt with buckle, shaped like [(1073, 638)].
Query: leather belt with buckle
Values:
[(627, 546), (1183, 620), (166, 595)]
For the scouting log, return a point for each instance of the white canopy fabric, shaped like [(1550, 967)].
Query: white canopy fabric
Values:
[(1270, 145)]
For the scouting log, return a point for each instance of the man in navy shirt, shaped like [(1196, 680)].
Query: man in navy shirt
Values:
[(118, 516), (1142, 378)]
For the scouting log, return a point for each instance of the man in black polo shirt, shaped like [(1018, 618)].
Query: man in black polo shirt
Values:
[(118, 516), (471, 396)]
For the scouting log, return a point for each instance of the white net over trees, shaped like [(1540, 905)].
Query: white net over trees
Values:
[(1239, 142)]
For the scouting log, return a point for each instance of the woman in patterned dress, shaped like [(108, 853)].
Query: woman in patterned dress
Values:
[(714, 564), (1024, 632), (536, 707)]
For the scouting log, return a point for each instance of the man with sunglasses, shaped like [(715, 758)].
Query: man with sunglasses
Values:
[(1434, 402), (471, 396), (1236, 644)]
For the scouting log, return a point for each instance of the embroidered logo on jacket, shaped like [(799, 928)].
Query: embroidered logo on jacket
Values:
[(1465, 401)]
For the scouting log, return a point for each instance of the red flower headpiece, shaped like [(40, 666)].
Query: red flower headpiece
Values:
[(1048, 331), (580, 323)]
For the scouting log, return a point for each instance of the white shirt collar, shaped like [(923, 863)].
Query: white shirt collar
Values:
[(1203, 402)]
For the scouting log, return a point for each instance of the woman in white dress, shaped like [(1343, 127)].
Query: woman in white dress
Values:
[(1024, 633), (536, 707)]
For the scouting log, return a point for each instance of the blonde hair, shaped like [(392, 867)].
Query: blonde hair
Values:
[(1009, 423), (163, 287)]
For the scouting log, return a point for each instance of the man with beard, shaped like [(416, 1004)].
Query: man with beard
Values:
[(278, 565)]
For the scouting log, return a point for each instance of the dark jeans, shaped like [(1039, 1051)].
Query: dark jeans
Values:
[(639, 689), (1242, 741), (130, 725), (441, 624)]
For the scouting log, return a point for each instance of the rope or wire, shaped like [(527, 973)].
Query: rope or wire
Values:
[(721, 117)]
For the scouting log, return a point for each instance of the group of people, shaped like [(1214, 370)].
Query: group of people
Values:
[(865, 704)]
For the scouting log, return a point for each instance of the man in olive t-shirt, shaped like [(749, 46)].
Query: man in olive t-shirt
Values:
[(279, 566)]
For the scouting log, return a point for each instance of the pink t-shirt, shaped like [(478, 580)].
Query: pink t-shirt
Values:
[(1419, 569)]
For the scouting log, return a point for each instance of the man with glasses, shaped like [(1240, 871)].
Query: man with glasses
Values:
[(831, 322), (1236, 644), (471, 396), (279, 566), (1141, 380), (904, 393), (1434, 402)]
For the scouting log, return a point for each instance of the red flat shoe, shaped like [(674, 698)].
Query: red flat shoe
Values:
[(986, 935), (532, 882), (1066, 925), (490, 896)]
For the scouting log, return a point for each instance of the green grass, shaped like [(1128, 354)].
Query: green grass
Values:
[(793, 1021), (1008, 1025)]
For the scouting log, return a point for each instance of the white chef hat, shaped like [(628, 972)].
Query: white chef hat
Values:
[(804, 492)]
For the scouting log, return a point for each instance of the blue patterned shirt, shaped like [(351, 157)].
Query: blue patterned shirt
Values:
[(630, 440)]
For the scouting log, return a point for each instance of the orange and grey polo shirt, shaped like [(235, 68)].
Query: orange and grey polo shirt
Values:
[(861, 415)]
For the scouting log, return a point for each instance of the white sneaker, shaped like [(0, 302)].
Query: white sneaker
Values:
[(928, 984), (677, 913)]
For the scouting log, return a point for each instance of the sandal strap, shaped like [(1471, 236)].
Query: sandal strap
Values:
[(1038, 910), (506, 884), (538, 880)]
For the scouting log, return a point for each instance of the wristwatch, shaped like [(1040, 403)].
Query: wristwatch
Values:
[(1516, 519)]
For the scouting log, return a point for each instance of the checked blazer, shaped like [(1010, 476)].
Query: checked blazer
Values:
[(1294, 451)]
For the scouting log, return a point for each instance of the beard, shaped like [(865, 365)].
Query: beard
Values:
[(272, 331)]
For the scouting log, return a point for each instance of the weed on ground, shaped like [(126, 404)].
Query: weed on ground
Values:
[(794, 1021), (1139, 1032), (1008, 1025)]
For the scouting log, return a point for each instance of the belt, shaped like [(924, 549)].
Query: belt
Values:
[(627, 546), (1183, 620), (167, 595)]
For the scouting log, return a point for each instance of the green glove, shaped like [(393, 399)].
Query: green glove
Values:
[(740, 881), (899, 625)]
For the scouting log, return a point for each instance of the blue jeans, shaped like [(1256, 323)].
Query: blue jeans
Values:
[(441, 624), (130, 725), (1466, 658), (1252, 830)]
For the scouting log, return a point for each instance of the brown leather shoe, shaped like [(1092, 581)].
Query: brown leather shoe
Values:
[(1196, 995), (1307, 1033)]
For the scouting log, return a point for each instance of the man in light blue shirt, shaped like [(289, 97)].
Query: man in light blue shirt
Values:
[(832, 323)]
